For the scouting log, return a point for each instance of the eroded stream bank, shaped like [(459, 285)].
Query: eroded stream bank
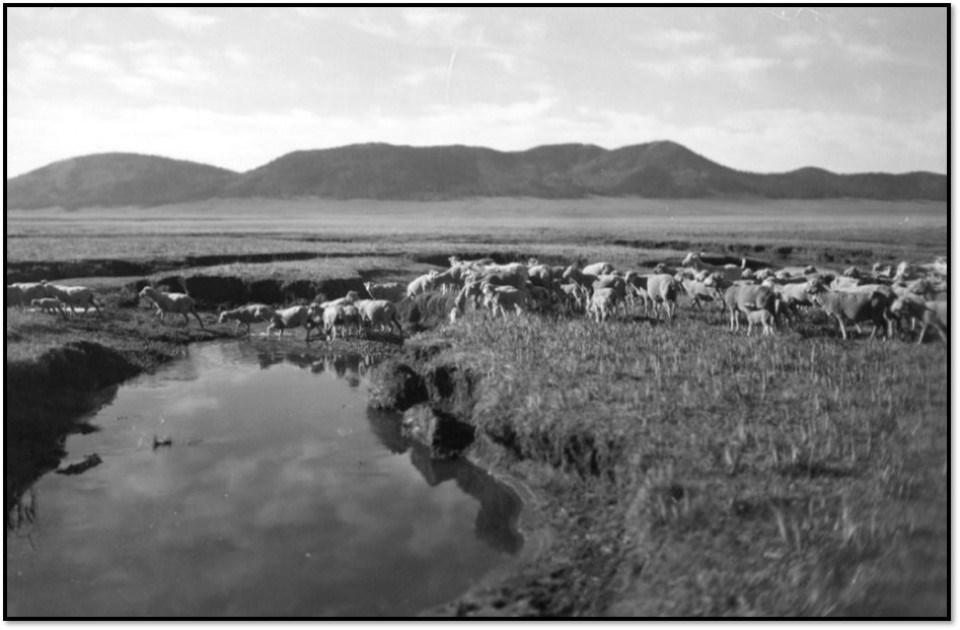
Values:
[(246, 463)]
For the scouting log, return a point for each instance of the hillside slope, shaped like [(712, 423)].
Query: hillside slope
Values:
[(661, 169), (115, 179)]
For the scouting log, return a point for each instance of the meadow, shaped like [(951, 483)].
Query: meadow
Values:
[(681, 469)]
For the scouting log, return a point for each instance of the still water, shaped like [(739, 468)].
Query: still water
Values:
[(279, 494)]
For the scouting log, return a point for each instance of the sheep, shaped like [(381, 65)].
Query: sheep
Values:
[(293, 317), (513, 275), (28, 291), (663, 289), (602, 302), (761, 316), (572, 274), (73, 297), (172, 302), (791, 297), (420, 285), (542, 276), (728, 272), (48, 305), (637, 289), (574, 296), (452, 277), (855, 307), (746, 298), (392, 291), (615, 282), (499, 298), (930, 313), (349, 298), (598, 269), (700, 290), (379, 313), (246, 315)]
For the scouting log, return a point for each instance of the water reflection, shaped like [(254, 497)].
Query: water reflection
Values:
[(280, 494), (500, 507)]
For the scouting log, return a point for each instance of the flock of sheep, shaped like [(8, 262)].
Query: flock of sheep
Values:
[(883, 296)]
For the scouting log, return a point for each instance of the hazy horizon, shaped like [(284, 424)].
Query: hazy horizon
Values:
[(847, 89)]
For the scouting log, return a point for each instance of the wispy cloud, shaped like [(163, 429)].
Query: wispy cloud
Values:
[(508, 61), (185, 19), (94, 58), (726, 61), (675, 38)]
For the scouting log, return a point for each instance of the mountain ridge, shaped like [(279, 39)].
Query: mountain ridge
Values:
[(661, 169)]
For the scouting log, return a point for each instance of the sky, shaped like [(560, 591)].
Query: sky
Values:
[(758, 89)]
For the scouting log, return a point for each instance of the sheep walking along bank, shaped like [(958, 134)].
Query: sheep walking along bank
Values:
[(172, 303), (73, 297), (246, 315)]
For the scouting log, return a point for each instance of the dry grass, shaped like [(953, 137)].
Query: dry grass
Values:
[(792, 476)]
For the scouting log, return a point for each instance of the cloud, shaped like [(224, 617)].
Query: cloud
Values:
[(94, 58), (507, 61), (166, 62), (185, 19), (797, 41), (675, 38), (724, 62)]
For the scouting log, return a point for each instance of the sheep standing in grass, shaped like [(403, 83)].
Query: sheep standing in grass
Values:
[(48, 305), (746, 298), (25, 292), (246, 315), (499, 298), (602, 303), (930, 313), (854, 307), (173, 303), (762, 317), (663, 290), (636, 286)]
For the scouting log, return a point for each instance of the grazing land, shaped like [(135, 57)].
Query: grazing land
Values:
[(674, 469)]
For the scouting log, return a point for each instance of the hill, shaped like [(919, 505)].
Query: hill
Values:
[(381, 171), (115, 179)]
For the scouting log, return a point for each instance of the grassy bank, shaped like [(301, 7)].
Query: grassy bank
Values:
[(691, 471)]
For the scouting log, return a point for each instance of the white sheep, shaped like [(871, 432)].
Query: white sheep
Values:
[(421, 284), (393, 291), (602, 302), (762, 317), (246, 315), (499, 298), (293, 317), (172, 302), (48, 305), (73, 297), (930, 313), (598, 269), (379, 313)]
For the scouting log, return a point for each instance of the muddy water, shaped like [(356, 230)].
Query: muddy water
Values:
[(279, 494)]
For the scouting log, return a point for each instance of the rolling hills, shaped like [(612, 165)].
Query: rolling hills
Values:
[(661, 169)]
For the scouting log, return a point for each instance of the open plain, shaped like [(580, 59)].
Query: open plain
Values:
[(672, 468)]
